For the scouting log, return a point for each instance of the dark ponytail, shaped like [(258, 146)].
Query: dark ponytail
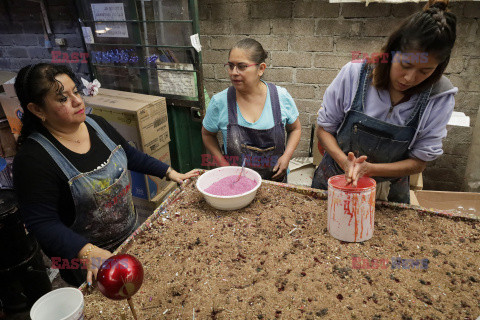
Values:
[(433, 31), (32, 84)]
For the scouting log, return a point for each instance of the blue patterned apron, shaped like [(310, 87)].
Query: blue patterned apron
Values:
[(380, 141), (260, 148)]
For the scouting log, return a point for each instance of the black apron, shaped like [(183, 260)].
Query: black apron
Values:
[(260, 148)]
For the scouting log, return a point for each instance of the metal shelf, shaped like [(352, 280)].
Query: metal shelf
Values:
[(140, 45), (137, 21), (135, 67)]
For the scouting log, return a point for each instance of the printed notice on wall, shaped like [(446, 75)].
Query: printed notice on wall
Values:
[(88, 35), (177, 82), (109, 12)]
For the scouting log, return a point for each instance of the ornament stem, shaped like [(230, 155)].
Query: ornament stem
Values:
[(132, 307)]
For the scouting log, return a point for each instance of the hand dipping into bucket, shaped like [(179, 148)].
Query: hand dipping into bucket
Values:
[(351, 210)]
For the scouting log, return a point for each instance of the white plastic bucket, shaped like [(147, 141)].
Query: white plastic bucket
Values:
[(59, 304), (351, 211)]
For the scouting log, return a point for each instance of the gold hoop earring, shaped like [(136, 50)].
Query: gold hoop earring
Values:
[(43, 119)]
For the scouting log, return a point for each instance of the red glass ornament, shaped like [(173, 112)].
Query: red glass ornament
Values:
[(120, 277)]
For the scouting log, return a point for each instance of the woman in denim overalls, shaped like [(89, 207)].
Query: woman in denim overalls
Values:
[(386, 116), (70, 177), (252, 130)]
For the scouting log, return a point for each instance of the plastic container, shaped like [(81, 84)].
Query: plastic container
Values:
[(228, 202), (59, 304), (351, 211)]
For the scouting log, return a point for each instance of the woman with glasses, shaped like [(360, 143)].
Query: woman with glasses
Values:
[(252, 116), (386, 117)]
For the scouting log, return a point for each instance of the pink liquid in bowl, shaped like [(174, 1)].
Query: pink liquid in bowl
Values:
[(228, 187)]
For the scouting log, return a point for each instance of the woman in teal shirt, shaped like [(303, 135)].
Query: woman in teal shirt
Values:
[(252, 116)]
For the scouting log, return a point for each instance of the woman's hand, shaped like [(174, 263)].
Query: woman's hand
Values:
[(179, 177), (354, 168), (95, 256), (360, 169), (281, 167)]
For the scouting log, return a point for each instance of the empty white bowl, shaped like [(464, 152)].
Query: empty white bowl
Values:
[(60, 304), (228, 202)]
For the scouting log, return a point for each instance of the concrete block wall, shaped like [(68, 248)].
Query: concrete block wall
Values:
[(310, 40), (22, 39)]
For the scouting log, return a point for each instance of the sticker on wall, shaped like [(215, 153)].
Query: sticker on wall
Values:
[(88, 35), (195, 40), (173, 80), (109, 12)]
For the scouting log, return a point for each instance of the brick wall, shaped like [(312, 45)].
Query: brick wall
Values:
[(310, 40), (22, 40)]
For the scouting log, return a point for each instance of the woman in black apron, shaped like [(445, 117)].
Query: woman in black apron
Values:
[(70, 174), (252, 116), (387, 118)]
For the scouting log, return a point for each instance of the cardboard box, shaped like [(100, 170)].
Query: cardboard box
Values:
[(7, 80), (13, 111), (141, 119), (301, 171), (416, 181), (7, 140), (9, 102), (148, 187), (466, 202), (145, 208)]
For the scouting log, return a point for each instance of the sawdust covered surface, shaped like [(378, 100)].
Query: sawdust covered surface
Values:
[(276, 260)]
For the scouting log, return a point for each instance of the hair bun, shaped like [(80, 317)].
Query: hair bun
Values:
[(439, 4)]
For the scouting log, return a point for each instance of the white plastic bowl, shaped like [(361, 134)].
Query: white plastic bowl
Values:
[(227, 202), (60, 304)]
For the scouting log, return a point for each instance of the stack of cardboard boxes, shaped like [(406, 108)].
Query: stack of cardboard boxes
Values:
[(142, 120)]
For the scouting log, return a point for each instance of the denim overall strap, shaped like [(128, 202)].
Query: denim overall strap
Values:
[(65, 165), (101, 134), (362, 87), (232, 105), (421, 105), (275, 101)]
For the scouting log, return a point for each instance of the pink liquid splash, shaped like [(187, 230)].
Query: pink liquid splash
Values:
[(227, 187)]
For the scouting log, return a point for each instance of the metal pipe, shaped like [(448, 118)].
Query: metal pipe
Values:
[(44, 14), (145, 34)]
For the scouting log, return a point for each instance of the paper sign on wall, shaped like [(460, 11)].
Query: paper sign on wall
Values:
[(175, 82), (109, 12), (88, 35), (195, 40)]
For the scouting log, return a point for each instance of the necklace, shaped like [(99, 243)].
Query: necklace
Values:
[(56, 135), (72, 140)]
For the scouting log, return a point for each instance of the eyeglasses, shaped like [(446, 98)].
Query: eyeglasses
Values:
[(240, 67)]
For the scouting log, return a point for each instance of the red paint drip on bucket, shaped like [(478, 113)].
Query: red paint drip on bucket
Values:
[(347, 204)]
